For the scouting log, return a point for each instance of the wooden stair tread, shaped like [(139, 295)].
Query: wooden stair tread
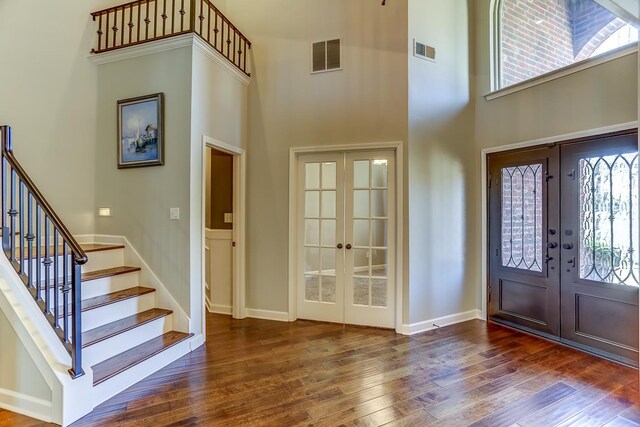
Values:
[(112, 298), (87, 247), (108, 272), (110, 330), (130, 358)]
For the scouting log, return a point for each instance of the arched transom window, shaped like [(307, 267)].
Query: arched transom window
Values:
[(540, 36)]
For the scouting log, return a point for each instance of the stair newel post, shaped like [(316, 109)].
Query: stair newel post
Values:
[(56, 285), (76, 319), (47, 264), (38, 239), (66, 287)]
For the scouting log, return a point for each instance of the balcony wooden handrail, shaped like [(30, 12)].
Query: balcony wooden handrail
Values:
[(57, 295), (143, 21)]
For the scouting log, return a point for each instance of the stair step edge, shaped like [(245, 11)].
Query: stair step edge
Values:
[(137, 357), (157, 314), (129, 293)]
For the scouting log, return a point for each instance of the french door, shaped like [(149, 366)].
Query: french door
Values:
[(563, 244), (346, 238)]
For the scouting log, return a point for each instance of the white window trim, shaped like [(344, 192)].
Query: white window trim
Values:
[(496, 61)]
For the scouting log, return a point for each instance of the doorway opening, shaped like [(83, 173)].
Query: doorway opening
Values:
[(223, 224), (563, 257)]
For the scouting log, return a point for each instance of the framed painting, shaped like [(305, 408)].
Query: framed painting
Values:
[(140, 131)]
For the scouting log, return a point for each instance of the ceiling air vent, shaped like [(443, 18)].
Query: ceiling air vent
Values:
[(423, 51), (326, 56)]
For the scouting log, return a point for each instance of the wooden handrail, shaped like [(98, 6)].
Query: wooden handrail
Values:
[(143, 21), (17, 216)]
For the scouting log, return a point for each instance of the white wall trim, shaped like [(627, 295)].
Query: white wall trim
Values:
[(561, 72), (525, 144), (220, 309), (26, 405), (238, 291), (427, 325), (279, 316), (164, 45), (219, 59), (294, 152)]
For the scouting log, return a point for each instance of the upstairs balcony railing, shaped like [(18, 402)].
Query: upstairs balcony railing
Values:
[(144, 21), (42, 251)]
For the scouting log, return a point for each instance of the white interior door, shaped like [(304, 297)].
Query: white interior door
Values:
[(370, 239), (346, 243), (320, 231)]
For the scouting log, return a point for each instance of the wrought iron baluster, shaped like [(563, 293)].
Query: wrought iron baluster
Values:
[(76, 313), (66, 287), (21, 223), (47, 264), (30, 238), (38, 250), (56, 275), (12, 214)]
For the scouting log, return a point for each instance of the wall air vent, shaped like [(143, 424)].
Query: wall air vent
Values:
[(326, 56), (423, 51)]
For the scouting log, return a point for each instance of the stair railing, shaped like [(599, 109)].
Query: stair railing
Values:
[(43, 252), (143, 21)]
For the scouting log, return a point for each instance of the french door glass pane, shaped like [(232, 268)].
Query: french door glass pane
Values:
[(522, 217), (609, 218)]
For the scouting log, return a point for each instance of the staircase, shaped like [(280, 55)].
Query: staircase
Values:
[(122, 326)]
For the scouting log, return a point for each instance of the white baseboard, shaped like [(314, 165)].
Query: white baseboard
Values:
[(280, 316), (219, 309), (427, 325), (25, 405)]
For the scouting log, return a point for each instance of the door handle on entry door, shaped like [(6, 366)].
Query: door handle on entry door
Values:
[(567, 246), (339, 246), (348, 246)]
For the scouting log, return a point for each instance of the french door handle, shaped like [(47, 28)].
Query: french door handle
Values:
[(339, 246), (567, 246), (348, 246)]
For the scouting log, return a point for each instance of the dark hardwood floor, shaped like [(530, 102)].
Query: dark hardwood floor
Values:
[(256, 372)]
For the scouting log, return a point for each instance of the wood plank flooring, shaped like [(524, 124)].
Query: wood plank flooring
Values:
[(256, 372)]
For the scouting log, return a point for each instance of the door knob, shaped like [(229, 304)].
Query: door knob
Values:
[(348, 246), (567, 246), (340, 246)]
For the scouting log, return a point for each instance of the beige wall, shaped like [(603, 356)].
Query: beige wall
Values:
[(49, 98), (18, 373), (140, 198), (596, 97), (441, 189), (289, 107)]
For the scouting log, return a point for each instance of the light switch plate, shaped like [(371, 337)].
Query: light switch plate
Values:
[(174, 213), (228, 218)]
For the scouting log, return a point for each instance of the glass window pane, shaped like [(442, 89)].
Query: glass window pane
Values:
[(312, 204), (329, 289), (379, 292), (361, 232), (379, 263), (361, 203), (312, 176), (608, 212), (379, 233), (328, 204), (312, 232), (328, 260), (311, 288), (361, 173), (361, 262), (379, 173), (379, 206), (522, 217), (329, 232), (329, 176), (312, 260), (361, 290)]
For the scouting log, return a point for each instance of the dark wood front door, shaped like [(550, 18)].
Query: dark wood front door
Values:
[(523, 238), (599, 241), (563, 236)]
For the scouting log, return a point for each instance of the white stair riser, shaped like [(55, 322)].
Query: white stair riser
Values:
[(107, 285), (139, 372), (110, 313), (104, 350), (101, 260)]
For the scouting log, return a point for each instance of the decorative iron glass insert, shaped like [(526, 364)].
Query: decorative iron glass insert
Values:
[(522, 217), (609, 218)]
